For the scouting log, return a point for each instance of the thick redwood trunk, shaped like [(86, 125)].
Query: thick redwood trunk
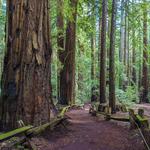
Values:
[(26, 90), (67, 90)]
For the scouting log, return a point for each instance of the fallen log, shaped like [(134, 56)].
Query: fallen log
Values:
[(123, 119), (8, 135), (30, 131), (56, 120), (111, 117), (51, 125)]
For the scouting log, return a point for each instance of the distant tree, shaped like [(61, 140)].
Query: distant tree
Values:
[(67, 94), (93, 45), (60, 45), (122, 36), (121, 48), (93, 51), (133, 51), (145, 82), (103, 54), (112, 98), (133, 60)]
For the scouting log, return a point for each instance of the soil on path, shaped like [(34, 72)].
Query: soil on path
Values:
[(90, 133)]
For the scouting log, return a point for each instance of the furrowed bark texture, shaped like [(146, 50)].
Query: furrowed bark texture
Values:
[(26, 90)]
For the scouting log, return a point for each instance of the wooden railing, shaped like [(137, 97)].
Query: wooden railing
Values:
[(29, 131)]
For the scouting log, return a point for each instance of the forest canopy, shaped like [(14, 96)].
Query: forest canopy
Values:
[(128, 48)]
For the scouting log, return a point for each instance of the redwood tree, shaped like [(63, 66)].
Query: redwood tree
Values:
[(60, 44), (93, 43), (67, 90), (103, 54), (93, 51), (121, 48), (112, 99), (26, 90), (122, 38), (144, 94), (133, 60)]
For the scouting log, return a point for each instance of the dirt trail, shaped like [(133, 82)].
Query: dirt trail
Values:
[(89, 133)]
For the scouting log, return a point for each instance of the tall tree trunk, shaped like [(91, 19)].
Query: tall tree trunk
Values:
[(26, 89), (122, 24), (112, 99), (1, 7), (93, 45), (121, 47), (125, 35), (93, 51), (133, 60), (144, 96), (140, 61), (60, 44), (103, 54), (125, 57), (128, 68), (67, 92), (99, 43), (108, 37), (99, 36)]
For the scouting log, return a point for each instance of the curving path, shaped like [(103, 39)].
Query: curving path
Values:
[(89, 133)]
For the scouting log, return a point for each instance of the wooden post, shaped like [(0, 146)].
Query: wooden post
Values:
[(107, 110), (102, 107), (141, 112), (132, 119), (138, 120), (142, 121)]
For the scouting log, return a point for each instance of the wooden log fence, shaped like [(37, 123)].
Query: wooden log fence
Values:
[(29, 131)]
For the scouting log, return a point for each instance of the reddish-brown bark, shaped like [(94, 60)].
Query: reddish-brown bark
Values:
[(26, 90)]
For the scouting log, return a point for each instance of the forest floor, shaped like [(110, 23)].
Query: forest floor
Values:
[(85, 132)]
